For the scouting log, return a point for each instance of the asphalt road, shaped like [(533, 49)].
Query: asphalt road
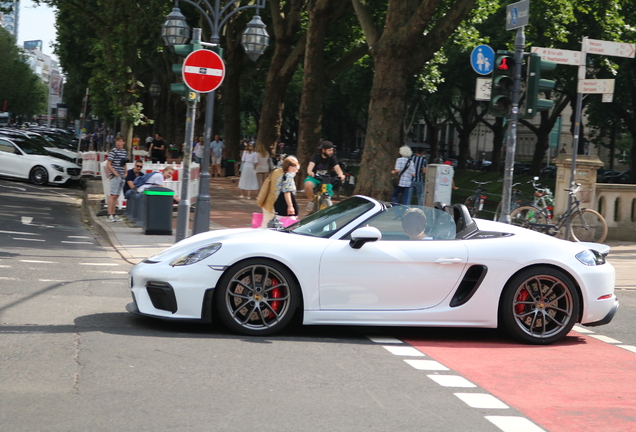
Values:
[(72, 359)]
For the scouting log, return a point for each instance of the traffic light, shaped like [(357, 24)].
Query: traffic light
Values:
[(502, 83), (536, 85), (182, 50)]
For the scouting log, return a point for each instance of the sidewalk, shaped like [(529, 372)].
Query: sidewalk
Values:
[(230, 211), (227, 210)]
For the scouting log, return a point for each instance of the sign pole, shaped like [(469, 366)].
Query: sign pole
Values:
[(577, 128), (511, 145)]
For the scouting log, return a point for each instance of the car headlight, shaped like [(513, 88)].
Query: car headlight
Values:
[(590, 257), (196, 255), (57, 168)]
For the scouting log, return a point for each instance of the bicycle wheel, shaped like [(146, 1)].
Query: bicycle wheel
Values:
[(324, 203), (497, 212), (588, 225), (525, 215), (470, 205)]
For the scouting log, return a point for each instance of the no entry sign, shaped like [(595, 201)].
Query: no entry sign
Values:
[(203, 71)]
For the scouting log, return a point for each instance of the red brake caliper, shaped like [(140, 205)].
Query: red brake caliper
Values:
[(523, 295), (275, 294)]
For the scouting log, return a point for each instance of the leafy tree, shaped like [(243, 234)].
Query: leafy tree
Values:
[(24, 93)]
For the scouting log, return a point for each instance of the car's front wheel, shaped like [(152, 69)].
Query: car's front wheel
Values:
[(539, 306), (256, 297), (39, 175)]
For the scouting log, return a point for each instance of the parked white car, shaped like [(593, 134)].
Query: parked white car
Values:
[(22, 158)]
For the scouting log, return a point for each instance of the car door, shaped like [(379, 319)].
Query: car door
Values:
[(393, 273), (10, 161)]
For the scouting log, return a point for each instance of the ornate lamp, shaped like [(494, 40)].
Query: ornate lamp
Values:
[(255, 38), (175, 31)]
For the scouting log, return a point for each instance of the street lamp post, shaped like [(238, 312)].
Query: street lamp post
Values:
[(255, 41), (155, 91)]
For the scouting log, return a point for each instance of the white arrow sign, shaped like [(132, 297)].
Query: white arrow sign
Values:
[(560, 56), (615, 49), (596, 86)]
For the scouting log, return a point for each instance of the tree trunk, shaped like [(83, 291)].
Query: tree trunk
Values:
[(498, 131)]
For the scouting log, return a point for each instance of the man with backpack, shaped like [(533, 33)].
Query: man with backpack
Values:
[(154, 179), (131, 176)]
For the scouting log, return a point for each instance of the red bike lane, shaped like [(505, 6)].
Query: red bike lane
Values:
[(579, 384)]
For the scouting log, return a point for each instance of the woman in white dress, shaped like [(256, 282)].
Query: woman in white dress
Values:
[(248, 181)]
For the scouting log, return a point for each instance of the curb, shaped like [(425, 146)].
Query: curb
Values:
[(109, 235)]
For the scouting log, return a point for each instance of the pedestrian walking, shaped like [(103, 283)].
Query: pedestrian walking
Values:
[(405, 170), (248, 181), (116, 167), (417, 185), (285, 204), (264, 164)]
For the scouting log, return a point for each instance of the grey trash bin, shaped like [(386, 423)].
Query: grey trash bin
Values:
[(157, 215)]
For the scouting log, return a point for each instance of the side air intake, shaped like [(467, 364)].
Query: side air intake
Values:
[(469, 284)]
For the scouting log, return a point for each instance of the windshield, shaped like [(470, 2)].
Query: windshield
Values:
[(413, 223), (328, 221), (29, 146)]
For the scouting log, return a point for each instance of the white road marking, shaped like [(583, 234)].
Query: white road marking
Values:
[(384, 340), (404, 351), (113, 272), (430, 365), (99, 264), (18, 233), (4, 266), (605, 339), (7, 278), (578, 328), (514, 424), (50, 280), (39, 262), (26, 220), (79, 237), (628, 347), (481, 400), (75, 242), (28, 239), (451, 381)]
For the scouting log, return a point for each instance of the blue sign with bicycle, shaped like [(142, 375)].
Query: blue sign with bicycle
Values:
[(482, 59)]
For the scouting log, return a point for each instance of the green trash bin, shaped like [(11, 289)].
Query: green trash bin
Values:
[(229, 168), (157, 217)]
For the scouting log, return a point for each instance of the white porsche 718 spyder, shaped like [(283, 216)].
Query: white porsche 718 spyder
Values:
[(365, 262)]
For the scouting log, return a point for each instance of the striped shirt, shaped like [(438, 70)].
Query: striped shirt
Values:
[(407, 175), (116, 158), (419, 162)]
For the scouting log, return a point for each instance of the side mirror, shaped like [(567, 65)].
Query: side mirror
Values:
[(363, 235)]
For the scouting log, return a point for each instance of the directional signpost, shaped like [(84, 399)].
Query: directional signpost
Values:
[(608, 48), (567, 57), (596, 86)]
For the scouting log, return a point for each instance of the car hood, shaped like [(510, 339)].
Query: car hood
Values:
[(53, 160)]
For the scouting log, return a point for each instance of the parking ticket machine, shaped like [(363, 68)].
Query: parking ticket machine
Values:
[(439, 184)]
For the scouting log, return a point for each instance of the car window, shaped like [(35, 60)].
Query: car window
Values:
[(7, 147), (30, 147), (328, 221), (413, 223)]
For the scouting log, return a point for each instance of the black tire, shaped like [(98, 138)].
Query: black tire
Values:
[(323, 203), (589, 226), (39, 175), (256, 308), (470, 205), (525, 215), (539, 306)]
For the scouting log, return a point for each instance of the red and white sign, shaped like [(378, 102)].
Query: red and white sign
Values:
[(615, 49), (572, 58), (596, 86), (203, 71)]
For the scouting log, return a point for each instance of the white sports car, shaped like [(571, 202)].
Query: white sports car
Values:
[(365, 262)]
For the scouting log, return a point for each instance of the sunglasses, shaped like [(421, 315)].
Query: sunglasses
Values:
[(139, 166)]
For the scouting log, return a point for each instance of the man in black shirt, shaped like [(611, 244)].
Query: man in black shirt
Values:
[(158, 149), (321, 163), (131, 175)]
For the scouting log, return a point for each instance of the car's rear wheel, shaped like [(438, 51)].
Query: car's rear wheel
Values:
[(539, 306), (39, 175), (256, 297)]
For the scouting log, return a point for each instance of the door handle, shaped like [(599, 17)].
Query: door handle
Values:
[(448, 261)]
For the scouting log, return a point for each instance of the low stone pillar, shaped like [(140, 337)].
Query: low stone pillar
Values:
[(586, 167)]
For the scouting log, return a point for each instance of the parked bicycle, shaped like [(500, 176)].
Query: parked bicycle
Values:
[(515, 202), (475, 203), (585, 224), (543, 198)]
